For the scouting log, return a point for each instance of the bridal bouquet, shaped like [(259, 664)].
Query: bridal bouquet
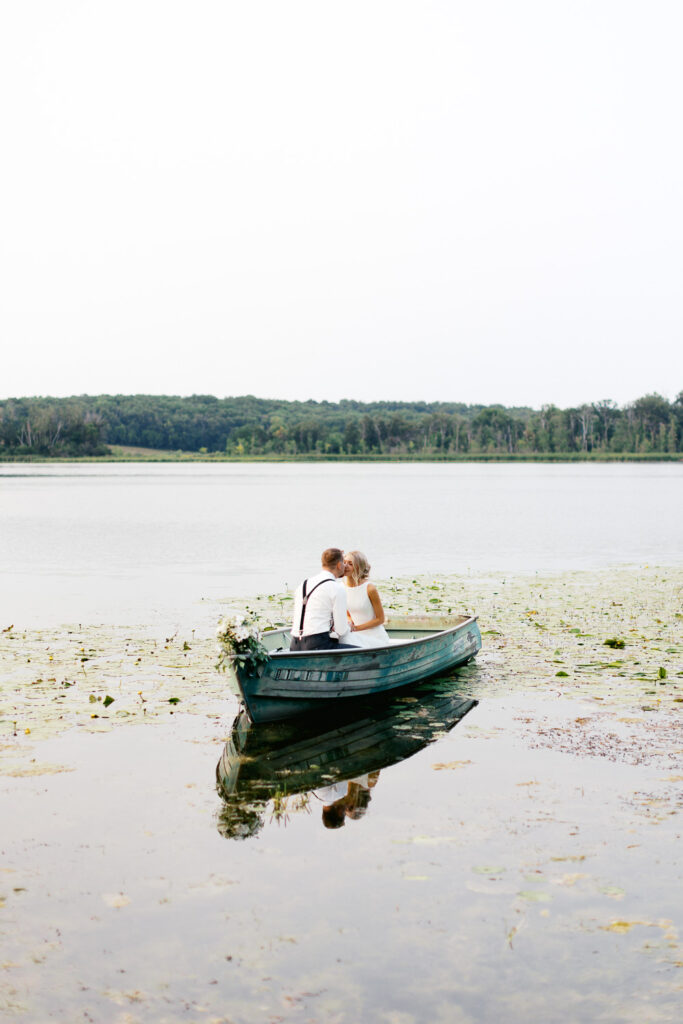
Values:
[(239, 642)]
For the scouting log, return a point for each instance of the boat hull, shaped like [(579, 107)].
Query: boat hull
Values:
[(298, 682)]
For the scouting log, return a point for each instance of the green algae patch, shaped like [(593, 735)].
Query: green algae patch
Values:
[(546, 634), (47, 688), (637, 696), (96, 679)]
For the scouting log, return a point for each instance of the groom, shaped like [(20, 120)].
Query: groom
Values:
[(319, 621)]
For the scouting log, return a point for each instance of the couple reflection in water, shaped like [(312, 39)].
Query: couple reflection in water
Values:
[(323, 767), (339, 606), (242, 817), (344, 800)]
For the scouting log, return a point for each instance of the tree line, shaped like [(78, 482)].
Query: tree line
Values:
[(249, 426)]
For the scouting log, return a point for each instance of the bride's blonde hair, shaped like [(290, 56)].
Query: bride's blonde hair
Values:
[(361, 567)]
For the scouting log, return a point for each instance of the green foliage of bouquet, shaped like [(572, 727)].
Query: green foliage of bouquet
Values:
[(239, 642)]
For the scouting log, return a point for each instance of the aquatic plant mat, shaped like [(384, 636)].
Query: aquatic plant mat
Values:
[(523, 865)]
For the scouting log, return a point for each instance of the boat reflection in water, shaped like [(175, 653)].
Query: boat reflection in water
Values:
[(274, 769)]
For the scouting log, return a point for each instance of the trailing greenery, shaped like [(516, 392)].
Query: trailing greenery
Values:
[(268, 428)]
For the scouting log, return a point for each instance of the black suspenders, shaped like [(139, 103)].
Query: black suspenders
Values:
[(305, 599)]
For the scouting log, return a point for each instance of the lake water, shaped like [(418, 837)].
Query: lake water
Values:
[(484, 878), (501, 844), (160, 544)]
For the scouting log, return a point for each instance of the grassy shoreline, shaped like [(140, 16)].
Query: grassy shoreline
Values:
[(119, 454)]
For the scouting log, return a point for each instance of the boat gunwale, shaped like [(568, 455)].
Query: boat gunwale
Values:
[(340, 652)]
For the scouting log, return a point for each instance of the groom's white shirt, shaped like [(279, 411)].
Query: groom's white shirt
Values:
[(326, 608)]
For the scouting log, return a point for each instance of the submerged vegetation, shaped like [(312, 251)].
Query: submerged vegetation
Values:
[(541, 635), (249, 427)]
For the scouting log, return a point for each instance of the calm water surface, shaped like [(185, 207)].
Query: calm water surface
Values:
[(478, 879), (428, 862), (154, 543)]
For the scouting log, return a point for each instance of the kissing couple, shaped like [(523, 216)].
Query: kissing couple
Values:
[(338, 607)]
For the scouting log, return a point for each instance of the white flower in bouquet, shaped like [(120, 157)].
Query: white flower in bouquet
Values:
[(239, 641)]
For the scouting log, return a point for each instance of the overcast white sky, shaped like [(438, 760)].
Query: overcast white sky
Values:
[(472, 201)]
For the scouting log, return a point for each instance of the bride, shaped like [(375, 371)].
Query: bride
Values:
[(364, 604)]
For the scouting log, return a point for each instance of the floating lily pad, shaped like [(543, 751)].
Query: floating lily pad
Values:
[(615, 891)]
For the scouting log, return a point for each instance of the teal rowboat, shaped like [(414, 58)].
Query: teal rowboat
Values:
[(298, 682)]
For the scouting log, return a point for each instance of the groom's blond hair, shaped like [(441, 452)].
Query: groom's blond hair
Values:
[(361, 567)]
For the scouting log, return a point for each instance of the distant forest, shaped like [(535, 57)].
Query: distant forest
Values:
[(248, 426)]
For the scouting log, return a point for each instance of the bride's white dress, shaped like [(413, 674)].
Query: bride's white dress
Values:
[(361, 610)]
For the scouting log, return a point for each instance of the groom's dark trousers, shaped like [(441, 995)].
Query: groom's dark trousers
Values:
[(316, 642)]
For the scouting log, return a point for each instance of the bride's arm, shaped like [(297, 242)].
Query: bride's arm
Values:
[(376, 607)]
